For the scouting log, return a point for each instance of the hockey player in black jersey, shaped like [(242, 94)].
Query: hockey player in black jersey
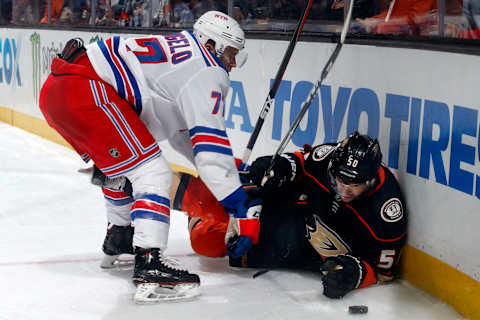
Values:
[(334, 208)]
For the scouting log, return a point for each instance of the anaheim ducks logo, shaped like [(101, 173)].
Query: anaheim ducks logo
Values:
[(322, 152), (324, 240)]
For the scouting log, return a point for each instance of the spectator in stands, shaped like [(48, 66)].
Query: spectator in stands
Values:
[(406, 17), (238, 15), (182, 15), (135, 10), (25, 11), (470, 25), (5, 11), (199, 7), (56, 10), (335, 9), (108, 19), (162, 11), (256, 12), (72, 11), (244, 9), (80, 10)]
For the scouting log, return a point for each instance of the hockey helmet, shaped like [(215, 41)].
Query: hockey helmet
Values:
[(224, 31), (356, 159)]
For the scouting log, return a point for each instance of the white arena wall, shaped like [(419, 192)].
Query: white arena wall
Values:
[(422, 105)]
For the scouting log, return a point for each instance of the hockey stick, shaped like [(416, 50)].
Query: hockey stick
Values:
[(276, 83), (311, 96), (390, 9), (306, 105)]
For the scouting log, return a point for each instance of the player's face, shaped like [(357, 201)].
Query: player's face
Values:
[(228, 58), (349, 192)]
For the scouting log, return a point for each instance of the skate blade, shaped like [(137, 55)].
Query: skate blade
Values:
[(149, 293), (117, 262)]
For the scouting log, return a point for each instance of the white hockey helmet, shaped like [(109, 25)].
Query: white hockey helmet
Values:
[(222, 29)]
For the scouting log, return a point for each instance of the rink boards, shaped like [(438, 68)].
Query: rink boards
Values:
[(422, 105)]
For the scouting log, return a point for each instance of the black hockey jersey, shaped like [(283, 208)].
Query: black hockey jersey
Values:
[(371, 227), (304, 221)]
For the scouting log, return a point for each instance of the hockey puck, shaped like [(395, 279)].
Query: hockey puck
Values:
[(358, 309)]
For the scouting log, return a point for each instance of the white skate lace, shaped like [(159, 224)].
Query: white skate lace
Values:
[(172, 263)]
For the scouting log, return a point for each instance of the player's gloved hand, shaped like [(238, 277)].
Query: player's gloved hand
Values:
[(341, 274), (119, 184), (284, 170), (244, 224), (243, 170)]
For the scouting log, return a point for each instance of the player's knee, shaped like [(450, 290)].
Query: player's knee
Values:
[(208, 238), (152, 177)]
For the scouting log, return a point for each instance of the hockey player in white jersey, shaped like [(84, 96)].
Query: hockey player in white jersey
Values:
[(116, 100)]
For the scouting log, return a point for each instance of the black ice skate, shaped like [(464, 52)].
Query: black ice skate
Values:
[(159, 278), (118, 241)]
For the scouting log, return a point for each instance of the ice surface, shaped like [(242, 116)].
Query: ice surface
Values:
[(52, 225)]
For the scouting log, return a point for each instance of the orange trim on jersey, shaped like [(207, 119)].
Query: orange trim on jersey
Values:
[(249, 186), (370, 229), (301, 158), (370, 277), (302, 161), (381, 174)]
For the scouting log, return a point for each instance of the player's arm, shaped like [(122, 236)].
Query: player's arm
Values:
[(287, 168), (377, 260), (202, 104)]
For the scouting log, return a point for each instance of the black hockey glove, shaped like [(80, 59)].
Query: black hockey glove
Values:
[(72, 50), (284, 171), (119, 184), (341, 274)]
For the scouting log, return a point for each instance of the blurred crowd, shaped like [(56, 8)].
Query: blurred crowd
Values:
[(460, 18)]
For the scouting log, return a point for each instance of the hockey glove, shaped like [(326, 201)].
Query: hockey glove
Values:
[(118, 184), (284, 170), (244, 224), (341, 274)]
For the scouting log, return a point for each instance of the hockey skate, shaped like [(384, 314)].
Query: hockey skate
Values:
[(118, 248), (162, 279)]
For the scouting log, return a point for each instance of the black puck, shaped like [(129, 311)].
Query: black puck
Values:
[(358, 309)]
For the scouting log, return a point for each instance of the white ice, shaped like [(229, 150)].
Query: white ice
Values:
[(52, 225)]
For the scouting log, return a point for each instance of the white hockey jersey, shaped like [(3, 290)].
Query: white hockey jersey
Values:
[(177, 87)]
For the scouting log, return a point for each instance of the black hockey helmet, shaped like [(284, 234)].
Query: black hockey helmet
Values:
[(356, 159)]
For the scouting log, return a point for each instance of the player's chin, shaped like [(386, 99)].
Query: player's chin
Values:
[(347, 199)]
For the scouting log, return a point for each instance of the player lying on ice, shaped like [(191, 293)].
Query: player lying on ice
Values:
[(116, 98), (333, 208)]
